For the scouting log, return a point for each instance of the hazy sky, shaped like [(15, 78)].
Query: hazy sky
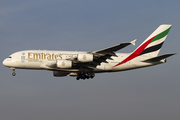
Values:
[(86, 25)]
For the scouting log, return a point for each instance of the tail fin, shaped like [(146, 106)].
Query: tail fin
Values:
[(152, 45)]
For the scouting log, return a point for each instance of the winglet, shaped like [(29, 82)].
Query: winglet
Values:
[(133, 42)]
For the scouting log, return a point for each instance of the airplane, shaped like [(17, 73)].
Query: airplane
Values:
[(84, 65)]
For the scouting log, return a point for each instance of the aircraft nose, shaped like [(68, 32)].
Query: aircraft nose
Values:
[(5, 63)]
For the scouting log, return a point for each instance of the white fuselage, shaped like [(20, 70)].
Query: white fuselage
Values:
[(84, 65), (39, 59)]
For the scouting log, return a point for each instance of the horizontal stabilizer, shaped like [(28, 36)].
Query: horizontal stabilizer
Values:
[(158, 58)]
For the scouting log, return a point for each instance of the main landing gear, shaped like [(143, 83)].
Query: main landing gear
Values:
[(85, 76), (14, 73)]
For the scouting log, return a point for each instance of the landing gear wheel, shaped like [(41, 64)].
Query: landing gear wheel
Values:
[(85, 76), (13, 73)]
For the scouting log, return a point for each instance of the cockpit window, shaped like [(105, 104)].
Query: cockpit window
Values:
[(9, 57)]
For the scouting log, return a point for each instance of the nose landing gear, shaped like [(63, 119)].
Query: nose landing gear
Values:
[(14, 73)]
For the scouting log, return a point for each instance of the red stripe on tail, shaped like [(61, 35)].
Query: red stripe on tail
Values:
[(136, 52)]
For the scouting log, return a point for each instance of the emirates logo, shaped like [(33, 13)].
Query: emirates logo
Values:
[(84, 57), (63, 64)]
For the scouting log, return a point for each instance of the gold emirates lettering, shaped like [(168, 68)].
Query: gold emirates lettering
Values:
[(44, 56)]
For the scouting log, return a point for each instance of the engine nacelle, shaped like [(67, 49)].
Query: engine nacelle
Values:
[(64, 64), (85, 57), (59, 74)]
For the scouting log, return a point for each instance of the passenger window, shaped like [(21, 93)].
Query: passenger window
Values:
[(9, 57)]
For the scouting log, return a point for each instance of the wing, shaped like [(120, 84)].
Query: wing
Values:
[(104, 54), (115, 48), (98, 57)]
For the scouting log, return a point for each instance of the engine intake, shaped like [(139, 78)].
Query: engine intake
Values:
[(85, 57)]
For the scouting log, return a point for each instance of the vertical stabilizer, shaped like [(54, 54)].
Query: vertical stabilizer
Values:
[(155, 41), (151, 46)]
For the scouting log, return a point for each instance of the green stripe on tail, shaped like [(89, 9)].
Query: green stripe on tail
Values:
[(161, 35)]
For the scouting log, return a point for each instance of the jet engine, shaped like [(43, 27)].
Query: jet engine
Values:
[(85, 57), (64, 64)]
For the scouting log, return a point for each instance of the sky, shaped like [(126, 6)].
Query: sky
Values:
[(88, 25)]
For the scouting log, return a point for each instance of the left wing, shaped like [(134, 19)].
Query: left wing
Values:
[(104, 54), (114, 48), (98, 57)]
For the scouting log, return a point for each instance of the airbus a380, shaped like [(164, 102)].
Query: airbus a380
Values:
[(84, 65)]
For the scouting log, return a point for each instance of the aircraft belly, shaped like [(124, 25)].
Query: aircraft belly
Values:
[(99, 68)]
